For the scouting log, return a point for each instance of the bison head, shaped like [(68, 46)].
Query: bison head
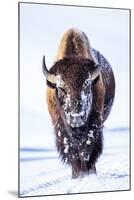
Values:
[(72, 79)]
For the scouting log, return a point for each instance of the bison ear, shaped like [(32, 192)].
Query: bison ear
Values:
[(51, 85)]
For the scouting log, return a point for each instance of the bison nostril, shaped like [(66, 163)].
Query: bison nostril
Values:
[(81, 117), (80, 114), (76, 118)]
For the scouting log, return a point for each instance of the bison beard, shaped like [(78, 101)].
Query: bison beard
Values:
[(75, 78), (80, 147)]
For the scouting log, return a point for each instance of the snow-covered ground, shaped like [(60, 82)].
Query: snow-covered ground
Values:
[(42, 173)]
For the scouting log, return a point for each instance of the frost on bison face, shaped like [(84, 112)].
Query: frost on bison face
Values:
[(74, 106), (80, 93), (74, 96)]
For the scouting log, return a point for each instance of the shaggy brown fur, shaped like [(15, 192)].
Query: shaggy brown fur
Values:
[(76, 43), (74, 61)]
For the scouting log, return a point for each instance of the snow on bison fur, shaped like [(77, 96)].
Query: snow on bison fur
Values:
[(80, 94)]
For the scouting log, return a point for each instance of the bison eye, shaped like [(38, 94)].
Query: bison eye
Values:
[(87, 83), (87, 86)]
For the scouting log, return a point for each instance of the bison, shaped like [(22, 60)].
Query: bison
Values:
[(80, 94)]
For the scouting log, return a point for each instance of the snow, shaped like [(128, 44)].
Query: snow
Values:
[(59, 133), (66, 149), (59, 82), (65, 140), (90, 134), (42, 173), (88, 142)]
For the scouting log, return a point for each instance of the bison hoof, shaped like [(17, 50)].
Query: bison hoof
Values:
[(83, 173), (75, 174)]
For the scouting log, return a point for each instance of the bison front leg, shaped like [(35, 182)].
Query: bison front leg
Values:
[(97, 148), (76, 166), (86, 166)]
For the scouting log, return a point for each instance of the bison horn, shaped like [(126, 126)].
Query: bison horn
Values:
[(96, 72), (50, 77)]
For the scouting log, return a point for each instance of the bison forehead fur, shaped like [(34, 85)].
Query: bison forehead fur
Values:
[(79, 102), (79, 68)]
